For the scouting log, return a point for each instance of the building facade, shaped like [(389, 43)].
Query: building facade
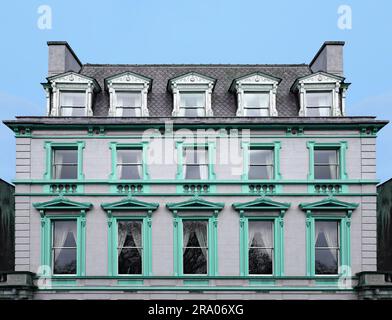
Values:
[(384, 215), (195, 181), (7, 226)]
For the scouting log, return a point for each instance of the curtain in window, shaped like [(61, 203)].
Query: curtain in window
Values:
[(58, 160), (62, 229), (186, 235), (196, 164), (122, 236), (129, 162), (260, 235), (326, 231), (201, 235), (137, 236)]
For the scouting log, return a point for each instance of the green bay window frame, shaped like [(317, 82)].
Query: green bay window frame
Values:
[(115, 146), (329, 209), (341, 147), (274, 146), (51, 146), (209, 146), (61, 209), (264, 210), (129, 209), (195, 209)]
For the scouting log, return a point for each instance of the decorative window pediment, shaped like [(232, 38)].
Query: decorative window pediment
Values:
[(256, 94), (321, 94), (192, 95), (329, 204), (195, 203), (62, 204), (128, 94), (70, 94), (261, 204), (130, 204)]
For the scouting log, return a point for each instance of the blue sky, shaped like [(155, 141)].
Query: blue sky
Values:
[(196, 31)]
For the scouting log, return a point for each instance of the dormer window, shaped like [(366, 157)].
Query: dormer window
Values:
[(128, 104), (70, 95), (192, 104), (256, 95), (128, 94), (192, 95), (319, 103), (321, 94), (72, 103)]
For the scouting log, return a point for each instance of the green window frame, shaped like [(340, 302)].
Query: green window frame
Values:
[(274, 146), (132, 210), (195, 209), (50, 146), (62, 209), (114, 146), (341, 147), (209, 146), (262, 209), (329, 209)]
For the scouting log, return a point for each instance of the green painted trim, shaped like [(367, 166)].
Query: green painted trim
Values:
[(211, 149), (46, 243), (329, 204), (341, 146), (195, 203), (114, 146), (49, 146), (113, 245), (130, 203), (178, 245), (61, 203), (261, 204)]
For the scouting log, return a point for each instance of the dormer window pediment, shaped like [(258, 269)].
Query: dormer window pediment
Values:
[(70, 94), (256, 94), (321, 94), (128, 94), (192, 95)]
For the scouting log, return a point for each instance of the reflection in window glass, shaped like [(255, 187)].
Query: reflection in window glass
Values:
[(260, 247), (261, 164), (195, 247), (65, 164), (326, 164), (192, 104), (72, 104), (64, 239), (256, 104), (128, 104), (327, 247), (129, 164), (130, 247), (318, 103), (195, 163)]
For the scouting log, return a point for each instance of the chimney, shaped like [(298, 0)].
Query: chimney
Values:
[(329, 58), (62, 58)]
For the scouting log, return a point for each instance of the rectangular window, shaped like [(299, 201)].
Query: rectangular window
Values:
[(195, 163), (130, 163), (128, 104), (192, 104), (261, 164), (318, 103), (64, 247), (260, 247), (65, 164), (129, 247), (195, 247), (326, 164), (72, 104), (256, 104), (327, 247)]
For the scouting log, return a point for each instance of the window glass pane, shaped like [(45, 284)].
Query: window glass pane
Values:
[(261, 247), (128, 112), (195, 163), (318, 103), (259, 156), (318, 112), (129, 99), (260, 112), (195, 247), (260, 164), (192, 104), (129, 164), (326, 164), (65, 164), (256, 100), (72, 103), (327, 247), (64, 242), (130, 247)]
